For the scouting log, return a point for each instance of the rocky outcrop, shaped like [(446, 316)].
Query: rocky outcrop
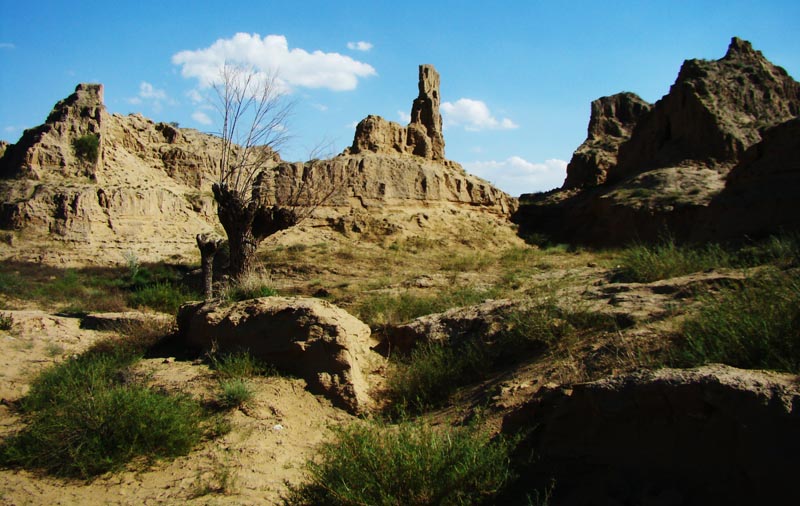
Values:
[(148, 190), (393, 166), (50, 149), (312, 338), (611, 122), (422, 137), (713, 435), (373, 181), (714, 159), (714, 111), (481, 321)]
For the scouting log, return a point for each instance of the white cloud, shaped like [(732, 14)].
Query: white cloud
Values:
[(7, 45), (359, 46), (404, 116), (271, 55), (195, 96), (473, 115), (201, 117), (320, 107), (147, 91), (515, 175), (151, 95)]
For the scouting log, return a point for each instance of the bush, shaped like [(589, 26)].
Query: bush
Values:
[(6, 321), (86, 416), (754, 326), (234, 393), (250, 287), (411, 463), (87, 147)]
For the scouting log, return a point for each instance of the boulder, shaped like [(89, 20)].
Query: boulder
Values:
[(611, 123), (312, 338), (711, 435), (479, 321)]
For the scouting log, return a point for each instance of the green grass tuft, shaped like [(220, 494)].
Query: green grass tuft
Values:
[(392, 309), (754, 326), (412, 463), (239, 365), (234, 393), (162, 296)]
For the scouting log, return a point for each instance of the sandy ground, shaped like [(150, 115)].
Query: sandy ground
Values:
[(270, 440)]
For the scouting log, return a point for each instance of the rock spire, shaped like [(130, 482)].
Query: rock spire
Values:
[(422, 137)]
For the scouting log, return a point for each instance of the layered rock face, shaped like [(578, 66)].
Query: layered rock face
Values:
[(393, 166), (611, 123), (714, 159), (48, 149), (148, 189), (713, 112), (145, 192), (422, 137)]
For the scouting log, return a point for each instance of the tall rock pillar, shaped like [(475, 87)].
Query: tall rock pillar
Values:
[(425, 130)]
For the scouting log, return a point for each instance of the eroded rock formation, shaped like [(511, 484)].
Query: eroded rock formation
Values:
[(612, 120), (422, 137), (149, 189), (714, 112), (714, 159)]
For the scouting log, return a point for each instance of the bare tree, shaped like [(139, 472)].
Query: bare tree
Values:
[(254, 111)]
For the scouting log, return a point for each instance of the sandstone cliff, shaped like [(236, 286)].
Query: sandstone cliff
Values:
[(144, 190), (394, 172), (671, 176), (146, 187)]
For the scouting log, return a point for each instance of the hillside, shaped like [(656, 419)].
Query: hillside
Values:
[(147, 192), (675, 168)]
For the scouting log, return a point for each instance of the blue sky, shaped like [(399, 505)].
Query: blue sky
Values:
[(517, 76)]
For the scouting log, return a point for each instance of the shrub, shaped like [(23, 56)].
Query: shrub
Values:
[(754, 326), (87, 147), (86, 416), (250, 287), (6, 321), (234, 393), (411, 463)]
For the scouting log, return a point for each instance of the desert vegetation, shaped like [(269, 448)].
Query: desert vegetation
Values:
[(553, 327)]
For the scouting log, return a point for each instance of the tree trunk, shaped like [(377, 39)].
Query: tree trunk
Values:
[(208, 246), (243, 247), (236, 214)]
